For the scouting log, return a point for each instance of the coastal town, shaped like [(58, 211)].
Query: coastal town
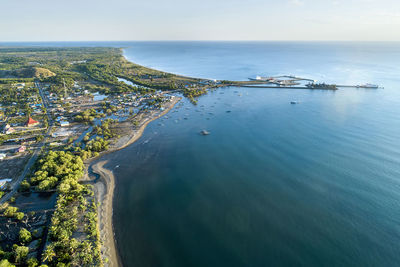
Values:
[(199, 133), (52, 127), (60, 110)]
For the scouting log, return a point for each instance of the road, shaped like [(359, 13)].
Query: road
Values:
[(45, 102), (35, 155)]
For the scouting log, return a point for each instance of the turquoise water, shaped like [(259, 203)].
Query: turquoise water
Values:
[(274, 184)]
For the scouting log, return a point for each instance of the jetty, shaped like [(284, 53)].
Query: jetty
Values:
[(294, 82)]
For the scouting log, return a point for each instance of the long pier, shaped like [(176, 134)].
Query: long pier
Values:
[(358, 86), (304, 87), (293, 82), (284, 87)]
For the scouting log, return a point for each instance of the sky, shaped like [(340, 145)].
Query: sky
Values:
[(119, 20)]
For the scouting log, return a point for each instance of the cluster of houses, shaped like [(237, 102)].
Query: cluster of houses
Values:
[(36, 108), (134, 100), (8, 129), (62, 121), (20, 149), (123, 102), (33, 101)]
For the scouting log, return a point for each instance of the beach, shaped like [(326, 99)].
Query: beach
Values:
[(104, 186)]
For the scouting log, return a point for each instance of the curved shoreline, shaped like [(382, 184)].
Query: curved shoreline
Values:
[(104, 188)]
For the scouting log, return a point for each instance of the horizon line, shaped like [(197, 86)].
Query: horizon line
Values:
[(179, 40)]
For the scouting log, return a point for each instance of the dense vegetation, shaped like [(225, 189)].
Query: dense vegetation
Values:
[(62, 170), (193, 93), (96, 141), (87, 115), (57, 167)]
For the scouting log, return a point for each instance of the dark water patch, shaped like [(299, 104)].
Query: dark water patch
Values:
[(36, 201)]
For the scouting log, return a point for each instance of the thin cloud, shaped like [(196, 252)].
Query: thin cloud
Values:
[(296, 2)]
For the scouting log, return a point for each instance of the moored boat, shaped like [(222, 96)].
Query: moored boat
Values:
[(204, 132)]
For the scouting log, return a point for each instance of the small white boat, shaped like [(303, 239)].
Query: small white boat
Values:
[(204, 132)]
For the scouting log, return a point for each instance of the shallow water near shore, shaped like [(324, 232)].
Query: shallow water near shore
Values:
[(317, 183)]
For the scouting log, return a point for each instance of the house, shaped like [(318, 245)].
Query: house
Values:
[(64, 123), (31, 122), (8, 129), (20, 86), (3, 156), (21, 149), (53, 144), (3, 183)]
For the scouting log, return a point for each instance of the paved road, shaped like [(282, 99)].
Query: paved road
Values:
[(45, 101), (32, 160)]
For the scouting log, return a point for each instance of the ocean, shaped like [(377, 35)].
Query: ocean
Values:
[(274, 184)]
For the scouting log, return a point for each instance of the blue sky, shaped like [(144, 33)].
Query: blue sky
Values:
[(91, 20)]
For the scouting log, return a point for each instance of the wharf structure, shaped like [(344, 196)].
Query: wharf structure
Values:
[(294, 82)]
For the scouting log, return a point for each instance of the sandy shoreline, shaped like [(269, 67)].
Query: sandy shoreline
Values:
[(104, 187)]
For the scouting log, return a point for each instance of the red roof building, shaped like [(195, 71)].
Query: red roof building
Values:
[(31, 122)]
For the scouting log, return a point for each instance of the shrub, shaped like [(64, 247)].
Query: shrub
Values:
[(10, 211), (6, 263), (32, 262), (20, 253), (24, 186), (25, 236)]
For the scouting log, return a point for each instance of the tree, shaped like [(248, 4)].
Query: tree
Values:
[(25, 236), (19, 216), (86, 137), (49, 253), (86, 253), (6, 263), (39, 138), (10, 211), (32, 262), (24, 186), (20, 253)]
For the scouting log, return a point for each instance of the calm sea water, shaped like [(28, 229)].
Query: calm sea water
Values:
[(274, 184), (314, 184)]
